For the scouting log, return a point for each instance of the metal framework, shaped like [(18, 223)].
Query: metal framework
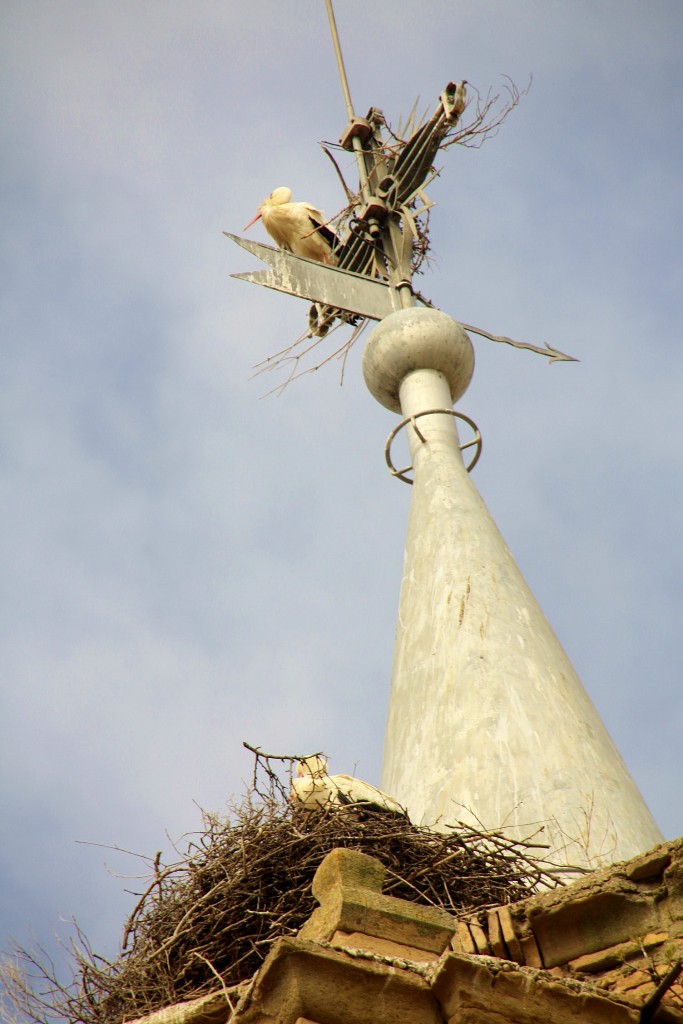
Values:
[(384, 227), (476, 441)]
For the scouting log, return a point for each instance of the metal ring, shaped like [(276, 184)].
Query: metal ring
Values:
[(476, 440)]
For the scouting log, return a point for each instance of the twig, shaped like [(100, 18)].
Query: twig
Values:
[(650, 1005), (220, 979)]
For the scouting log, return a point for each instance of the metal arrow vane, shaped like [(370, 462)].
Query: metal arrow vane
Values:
[(369, 298), (363, 296), (368, 272)]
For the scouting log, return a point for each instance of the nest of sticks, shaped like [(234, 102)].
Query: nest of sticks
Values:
[(208, 920)]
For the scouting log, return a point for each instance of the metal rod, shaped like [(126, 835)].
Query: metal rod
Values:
[(340, 59), (355, 141), (405, 295)]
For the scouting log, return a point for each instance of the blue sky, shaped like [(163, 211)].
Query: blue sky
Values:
[(187, 564)]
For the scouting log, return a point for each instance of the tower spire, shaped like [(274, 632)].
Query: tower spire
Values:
[(488, 722)]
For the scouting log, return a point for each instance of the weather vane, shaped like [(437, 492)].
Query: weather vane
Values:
[(359, 265)]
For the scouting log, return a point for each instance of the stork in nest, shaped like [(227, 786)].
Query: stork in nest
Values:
[(314, 790)]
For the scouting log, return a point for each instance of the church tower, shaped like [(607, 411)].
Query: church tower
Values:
[(488, 722)]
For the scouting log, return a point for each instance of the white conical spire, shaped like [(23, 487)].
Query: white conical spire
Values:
[(488, 721)]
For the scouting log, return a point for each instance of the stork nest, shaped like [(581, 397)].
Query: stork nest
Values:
[(209, 919)]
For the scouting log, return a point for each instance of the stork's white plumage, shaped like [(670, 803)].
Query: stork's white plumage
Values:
[(314, 789), (297, 227), (460, 98)]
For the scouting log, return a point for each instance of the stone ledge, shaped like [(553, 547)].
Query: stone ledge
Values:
[(383, 947), (621, 926), (304, 978), (614, 956), (615, 905), (348, 887), (603, 913), (487, 991)]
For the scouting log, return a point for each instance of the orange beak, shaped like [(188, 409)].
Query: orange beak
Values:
[(252, 221)]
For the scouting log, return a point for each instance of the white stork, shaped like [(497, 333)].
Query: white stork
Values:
[(297, 227), (313, 789), (460, 98)]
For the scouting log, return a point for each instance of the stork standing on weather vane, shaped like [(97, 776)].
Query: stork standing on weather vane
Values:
[(360, 264)]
